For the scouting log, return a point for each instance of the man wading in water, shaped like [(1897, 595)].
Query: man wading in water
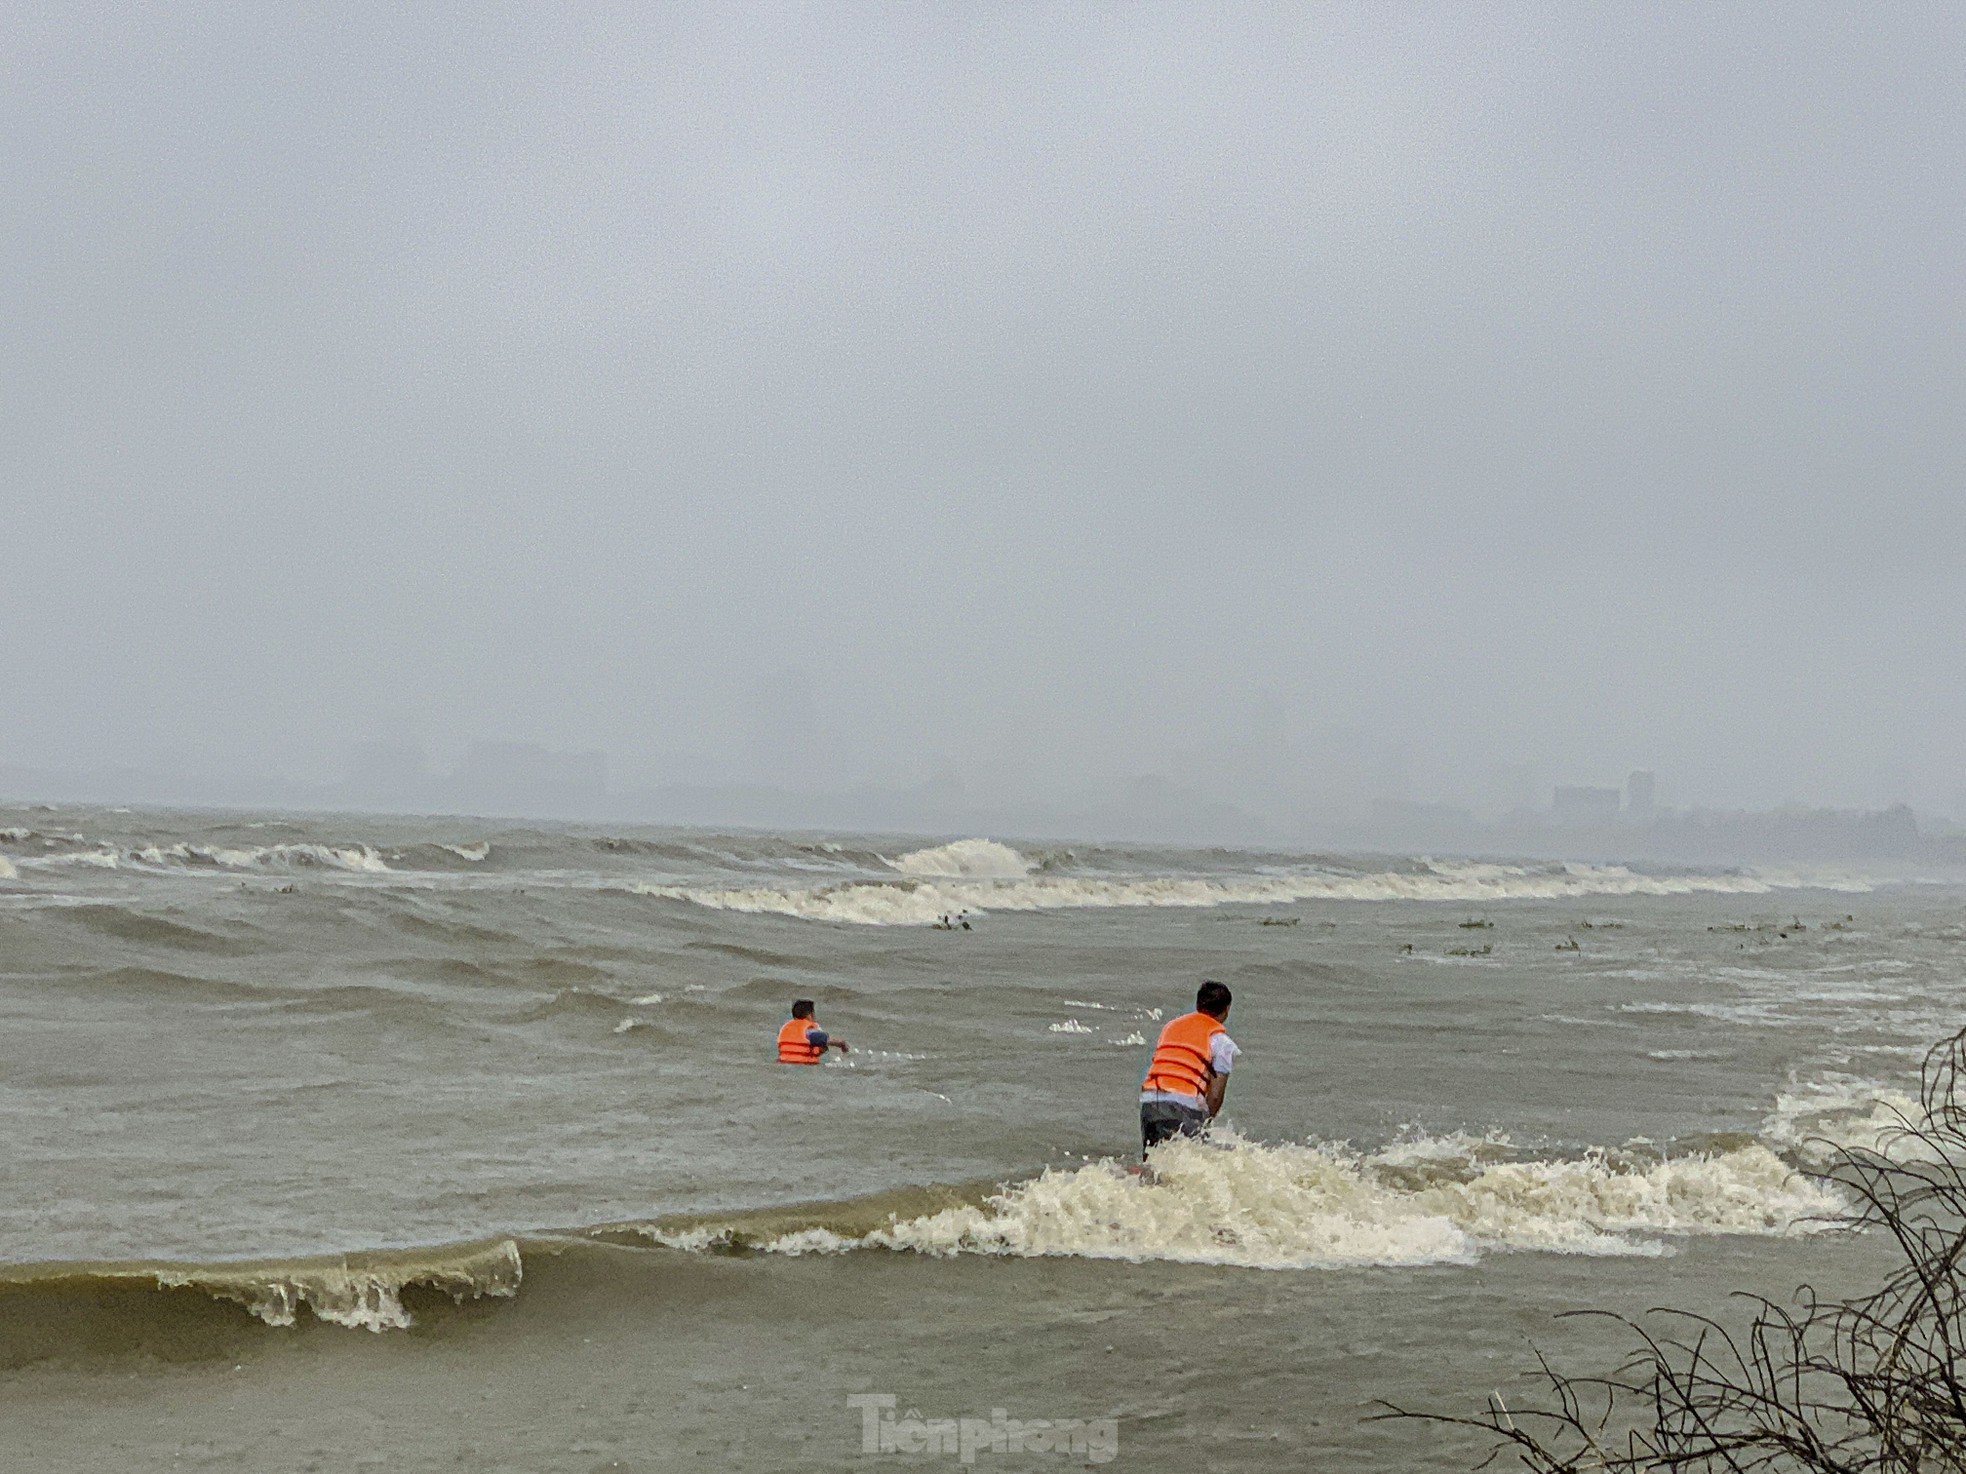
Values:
[(1189, 1073), (800, 1039)]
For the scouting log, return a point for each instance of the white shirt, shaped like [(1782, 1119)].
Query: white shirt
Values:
[(1222, 1052)]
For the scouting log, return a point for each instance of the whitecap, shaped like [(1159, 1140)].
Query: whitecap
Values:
[(1318, 1205), (941, 891), (967, 859)]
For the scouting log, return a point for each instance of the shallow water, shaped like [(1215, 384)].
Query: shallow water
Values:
[(532, 1068)]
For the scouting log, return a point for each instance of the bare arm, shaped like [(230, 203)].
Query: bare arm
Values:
[(1218, 1086)]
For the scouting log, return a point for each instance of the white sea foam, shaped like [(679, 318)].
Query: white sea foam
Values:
[(1319, 1206), (472, 852), (104, 859), (966, 859), (1824, 878), (1815, 1119), (7, 870), (360, 859), (363, 1297), (922, 901), (360, 1302)]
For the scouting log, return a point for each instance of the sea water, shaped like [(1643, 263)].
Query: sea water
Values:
[(449, 1143)]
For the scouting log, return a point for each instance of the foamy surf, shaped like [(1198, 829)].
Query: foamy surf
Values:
[(1318, 1206), (358, 859), (1820, 1119), (360, 1291), (957, 877), (365, 1297), (969, 859)]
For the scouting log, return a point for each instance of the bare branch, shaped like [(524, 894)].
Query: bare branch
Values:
[(1867, 1385)]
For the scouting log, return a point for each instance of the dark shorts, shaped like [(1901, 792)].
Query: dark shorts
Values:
[(1160, 1119)]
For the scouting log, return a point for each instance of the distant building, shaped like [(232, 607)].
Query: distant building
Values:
[(1586, 806), (1638, 797)]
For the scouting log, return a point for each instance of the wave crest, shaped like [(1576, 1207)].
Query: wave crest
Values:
[(1818, 1119), (1316, 1206), (364, 1294), (359, 859), (966, 859), (361, 1291), (921, 901)]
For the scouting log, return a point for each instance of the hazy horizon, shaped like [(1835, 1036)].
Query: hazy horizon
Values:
[(1306, 408)]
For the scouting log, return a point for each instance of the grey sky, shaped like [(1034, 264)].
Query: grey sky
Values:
[(1418, 393)]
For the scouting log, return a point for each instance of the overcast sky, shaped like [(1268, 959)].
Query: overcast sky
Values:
[(836, 393)]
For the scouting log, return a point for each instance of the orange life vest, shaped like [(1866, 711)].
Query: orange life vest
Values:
[(1182, 1063), (793, 1046)]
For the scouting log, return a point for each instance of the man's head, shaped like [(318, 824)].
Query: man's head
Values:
[(1213, 999), (802, 1009)]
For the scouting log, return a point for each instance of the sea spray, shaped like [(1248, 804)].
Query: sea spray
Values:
[(362, 1291), (971, 859), (940, 887), (1232, 1202), (359, 859)]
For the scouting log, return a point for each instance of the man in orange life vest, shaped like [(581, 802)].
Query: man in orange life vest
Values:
[(801, 1041), (1189, 1073)]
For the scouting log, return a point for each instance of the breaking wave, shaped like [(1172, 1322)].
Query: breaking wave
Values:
[(921, 901), (1318, 1206), (359, 858), (966, 859), (1226, 1202), (1816, 1120), (365, 1292), (360, 1291)]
